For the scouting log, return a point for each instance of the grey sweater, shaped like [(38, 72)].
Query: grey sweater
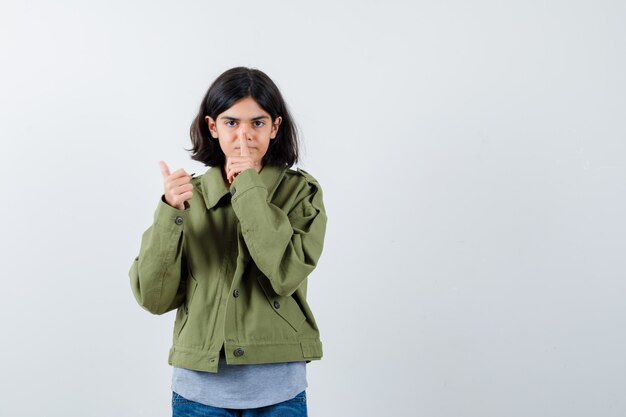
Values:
[(241, 386)]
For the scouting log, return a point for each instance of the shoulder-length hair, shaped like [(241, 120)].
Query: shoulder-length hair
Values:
[(231, 86)]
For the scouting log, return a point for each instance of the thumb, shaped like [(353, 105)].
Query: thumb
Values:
[(164, 169)]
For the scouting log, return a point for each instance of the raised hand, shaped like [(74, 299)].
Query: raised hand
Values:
[(177, 186)]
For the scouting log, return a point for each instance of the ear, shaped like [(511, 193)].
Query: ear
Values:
[(275, 127), (211, 123)]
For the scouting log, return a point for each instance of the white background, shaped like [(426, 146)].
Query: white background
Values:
[(473, 160)]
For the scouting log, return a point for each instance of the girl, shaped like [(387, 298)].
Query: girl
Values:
[(231, 250)]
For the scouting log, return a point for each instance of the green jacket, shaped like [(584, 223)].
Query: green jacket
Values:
[(235, 265)]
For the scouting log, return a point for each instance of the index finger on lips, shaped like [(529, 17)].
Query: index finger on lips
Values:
[(243, 145)]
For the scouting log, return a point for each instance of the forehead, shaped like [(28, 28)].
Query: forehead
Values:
[(246, 108)]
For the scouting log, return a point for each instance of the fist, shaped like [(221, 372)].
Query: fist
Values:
[(177, 186)]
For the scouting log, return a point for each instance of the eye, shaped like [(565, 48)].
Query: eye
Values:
[(258, 123), (227, 123)]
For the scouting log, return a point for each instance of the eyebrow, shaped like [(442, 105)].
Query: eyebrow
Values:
[(237, 120)]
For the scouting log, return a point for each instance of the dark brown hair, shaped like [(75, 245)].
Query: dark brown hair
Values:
[(231, 86)]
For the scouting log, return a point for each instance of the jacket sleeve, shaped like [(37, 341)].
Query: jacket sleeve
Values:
[(158, 274), (284, 246)]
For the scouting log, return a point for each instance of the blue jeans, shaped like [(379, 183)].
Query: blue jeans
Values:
[(295, 407)]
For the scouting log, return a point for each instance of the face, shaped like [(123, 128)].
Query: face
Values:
[(246, 118)]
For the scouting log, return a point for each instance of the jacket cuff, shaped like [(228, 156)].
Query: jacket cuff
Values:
[(170, 217), (244, 181)]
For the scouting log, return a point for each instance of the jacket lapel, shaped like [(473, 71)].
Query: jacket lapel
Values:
[(214, 189)]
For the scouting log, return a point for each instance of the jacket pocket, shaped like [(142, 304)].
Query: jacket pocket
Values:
[(285, 307), (183, 311)]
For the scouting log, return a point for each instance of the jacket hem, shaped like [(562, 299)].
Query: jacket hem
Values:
[(247, 354)]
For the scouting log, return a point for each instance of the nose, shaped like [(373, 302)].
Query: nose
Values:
[(245, 133)]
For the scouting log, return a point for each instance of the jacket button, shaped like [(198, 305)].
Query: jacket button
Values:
[(236, 293), (238, 352), (276, 305), (178, 220), (232, 190)]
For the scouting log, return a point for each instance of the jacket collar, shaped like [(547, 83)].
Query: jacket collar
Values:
[(214, 188)]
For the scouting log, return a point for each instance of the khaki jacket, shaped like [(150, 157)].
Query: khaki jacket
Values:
[(235, 265)]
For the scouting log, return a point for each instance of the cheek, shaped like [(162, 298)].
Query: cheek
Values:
[(264, 147), (224, 146)]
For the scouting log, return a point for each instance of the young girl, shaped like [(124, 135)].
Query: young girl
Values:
[(231, 250)]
